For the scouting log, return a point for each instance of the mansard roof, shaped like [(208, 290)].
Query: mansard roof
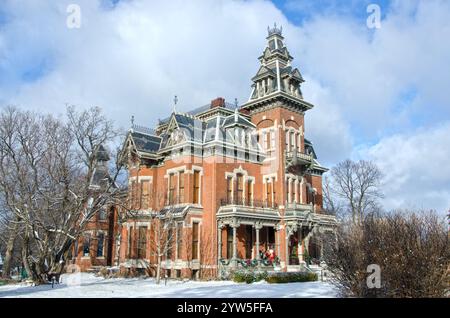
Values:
[(309, 148), (146, 142), (186, 127)]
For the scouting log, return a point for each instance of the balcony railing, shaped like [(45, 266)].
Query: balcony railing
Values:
[(290, 155), (244, 202), (298, 162)]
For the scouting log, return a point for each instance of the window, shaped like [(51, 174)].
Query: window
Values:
[(229, 242), (266, 144), (287, 140), (272, 44), (133, 194), (100, 243), (287, 191), (86, 245), (181, 188), (130, 241), (239, 188), (273, 191), (279, 44), (169, 243), (75, 248), (293, 191), (249, 193), (269, 193), (195, 240), (145, 194), (171, 188), (229, 190), (142, 242), (272, 139), (179, 239), (102, 215), (292, 141), (196, 187)]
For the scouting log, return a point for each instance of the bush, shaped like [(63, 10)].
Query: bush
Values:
[(273, 278), (291, 277), (248, 276)]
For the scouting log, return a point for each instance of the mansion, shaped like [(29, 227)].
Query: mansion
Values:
[(226, 183)]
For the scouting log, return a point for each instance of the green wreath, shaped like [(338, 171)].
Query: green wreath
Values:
[(224, 261), (243, 263), (267, 262)]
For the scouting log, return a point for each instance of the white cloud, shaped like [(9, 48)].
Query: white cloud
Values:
[(370, 72), (133, 58), (415, 167)]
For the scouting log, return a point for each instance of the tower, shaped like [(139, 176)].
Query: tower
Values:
[(276, 77), (277, 108)]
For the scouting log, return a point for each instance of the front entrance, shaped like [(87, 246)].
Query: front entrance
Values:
[(293, 249), (248, 241)]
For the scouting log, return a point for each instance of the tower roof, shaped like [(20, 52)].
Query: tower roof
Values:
[(276, 77), (275, 31)]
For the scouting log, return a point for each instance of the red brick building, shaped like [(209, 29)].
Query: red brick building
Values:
[(235, 180)]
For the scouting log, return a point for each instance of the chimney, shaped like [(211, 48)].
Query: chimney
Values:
[(218, 102)]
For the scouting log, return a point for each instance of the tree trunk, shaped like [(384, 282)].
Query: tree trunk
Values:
[(26, 264), (9, 252), (158, 270)]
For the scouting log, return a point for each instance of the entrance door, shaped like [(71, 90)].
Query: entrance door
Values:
[(248, 241), (293, 249)]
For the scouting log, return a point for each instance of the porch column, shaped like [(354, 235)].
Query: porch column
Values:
[(219, 240), (234, 225), (287, 246), (321, 250), (257, 227), (278, 242), (300, 246)]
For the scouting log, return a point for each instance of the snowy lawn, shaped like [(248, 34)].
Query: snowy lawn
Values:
[(88, 285)]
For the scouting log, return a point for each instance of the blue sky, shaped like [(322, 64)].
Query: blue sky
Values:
[(380, 94), (300, 11)]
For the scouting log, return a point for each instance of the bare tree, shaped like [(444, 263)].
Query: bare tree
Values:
[(411, 249), (51, 180), (357, 184), (330, 204), (164, 233)]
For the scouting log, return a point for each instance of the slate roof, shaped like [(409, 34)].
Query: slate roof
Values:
[(309, 148), (145, 142)]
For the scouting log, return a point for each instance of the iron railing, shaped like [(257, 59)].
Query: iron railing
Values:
[(244, 202)]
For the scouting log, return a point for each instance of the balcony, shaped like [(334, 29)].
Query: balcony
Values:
[(241, 207), (297, 162), (244, 202)]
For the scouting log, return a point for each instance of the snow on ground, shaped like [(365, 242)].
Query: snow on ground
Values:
[(88, 285)]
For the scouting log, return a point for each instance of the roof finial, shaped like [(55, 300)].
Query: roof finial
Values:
[(236, 102), (132, 120), (275, 30), (175, 102)]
